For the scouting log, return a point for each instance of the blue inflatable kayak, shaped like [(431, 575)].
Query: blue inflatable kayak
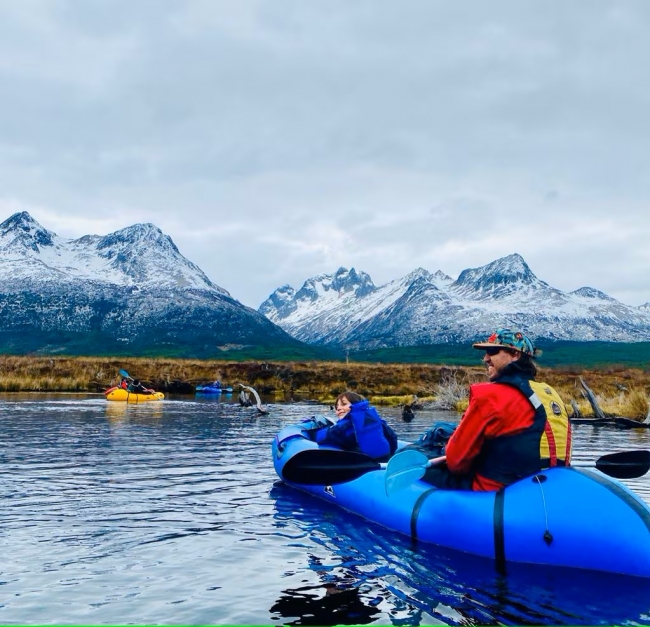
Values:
[(567, 517), (211, 389)]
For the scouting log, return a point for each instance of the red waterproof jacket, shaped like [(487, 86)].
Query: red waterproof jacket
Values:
[(497, 411)]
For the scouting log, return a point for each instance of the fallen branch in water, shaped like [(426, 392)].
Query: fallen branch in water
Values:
[(591, 397), (245, 400)]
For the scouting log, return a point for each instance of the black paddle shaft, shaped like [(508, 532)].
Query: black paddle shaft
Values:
[(327, 467), (330, 467)]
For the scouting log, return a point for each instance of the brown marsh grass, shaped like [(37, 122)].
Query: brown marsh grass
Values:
[(619, 391)]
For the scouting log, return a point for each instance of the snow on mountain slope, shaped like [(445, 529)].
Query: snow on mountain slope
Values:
[(424, 308), (328, 290), (330, 306), (140, 255)]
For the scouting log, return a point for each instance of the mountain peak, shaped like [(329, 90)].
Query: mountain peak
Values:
[(498, 278), (20, 233), (343, 281), (514, 261), (352, 281), (439, 275), (590, 292), (137, 234), (321, 291), (441, 280), (280, 301), (419, 273), (506, 269)]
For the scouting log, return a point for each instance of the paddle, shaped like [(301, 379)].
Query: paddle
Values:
[(227, 390), (413, 464), (125, 374), (623, 465), (405, 468), (208, 387), (321, 466), (329, 467)]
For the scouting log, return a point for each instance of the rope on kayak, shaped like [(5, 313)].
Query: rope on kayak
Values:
[(548, 536), (499, 532), (416, 511)]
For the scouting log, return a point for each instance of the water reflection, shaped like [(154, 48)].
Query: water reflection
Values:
[(329, 604), (119, 414)]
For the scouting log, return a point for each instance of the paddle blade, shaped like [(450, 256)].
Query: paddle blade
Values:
[(327, 467), (124, 373), (625, 465), (403, 469)]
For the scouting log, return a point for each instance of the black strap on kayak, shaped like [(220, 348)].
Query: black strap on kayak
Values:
[(416, 511), (499, 536), (620, 492)]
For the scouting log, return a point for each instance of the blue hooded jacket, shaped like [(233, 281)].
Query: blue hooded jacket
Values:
[(362, 430)]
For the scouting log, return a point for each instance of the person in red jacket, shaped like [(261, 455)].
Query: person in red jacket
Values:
[(513, 426)]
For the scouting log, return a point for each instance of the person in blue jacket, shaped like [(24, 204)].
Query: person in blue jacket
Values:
[(359, 428)]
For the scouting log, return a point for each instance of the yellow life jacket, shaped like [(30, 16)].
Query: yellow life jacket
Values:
[(545, 444)]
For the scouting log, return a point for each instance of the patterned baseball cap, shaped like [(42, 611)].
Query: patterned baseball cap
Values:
[(507, 338)]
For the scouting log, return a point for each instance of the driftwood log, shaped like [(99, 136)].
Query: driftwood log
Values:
[(244, 398), (576, 410), (601, 418), (591, 397)]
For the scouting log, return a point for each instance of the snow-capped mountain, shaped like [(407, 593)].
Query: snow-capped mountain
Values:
[(137, 256), (331, 291), (129, 288), (424, 308)]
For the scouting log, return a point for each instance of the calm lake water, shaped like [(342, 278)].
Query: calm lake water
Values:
[(171, 513)]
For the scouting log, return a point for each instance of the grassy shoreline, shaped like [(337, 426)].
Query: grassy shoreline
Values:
[(620, 390)]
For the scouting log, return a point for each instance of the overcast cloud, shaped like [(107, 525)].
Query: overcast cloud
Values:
[(281, 139)]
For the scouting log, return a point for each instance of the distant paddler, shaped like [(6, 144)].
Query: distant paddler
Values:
[(131, 390)]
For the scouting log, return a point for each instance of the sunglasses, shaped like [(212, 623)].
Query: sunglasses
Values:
[(493, 350)]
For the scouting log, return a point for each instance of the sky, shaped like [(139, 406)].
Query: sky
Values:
[(276, 140)]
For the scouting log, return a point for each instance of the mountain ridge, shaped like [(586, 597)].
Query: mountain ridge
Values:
[(132, 290), (423, 308)]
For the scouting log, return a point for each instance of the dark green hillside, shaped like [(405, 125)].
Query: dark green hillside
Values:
[(194, 338), (100, 320), (28, 341)]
